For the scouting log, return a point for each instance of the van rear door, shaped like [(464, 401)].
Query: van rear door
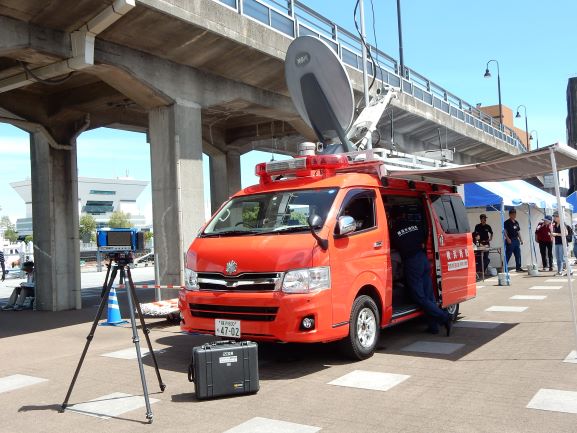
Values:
[(453, 244)]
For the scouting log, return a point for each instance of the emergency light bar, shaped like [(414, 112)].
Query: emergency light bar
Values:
[(301, 165)]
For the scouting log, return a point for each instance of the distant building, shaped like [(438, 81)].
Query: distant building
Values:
[(97, 197), (572, 127)]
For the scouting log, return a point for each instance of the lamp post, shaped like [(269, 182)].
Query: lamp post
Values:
[(526, 127), (536, 135), (400, 31), (488, 75)]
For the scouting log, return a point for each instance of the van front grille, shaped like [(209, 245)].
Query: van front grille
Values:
[(255, 314), (247, 282)]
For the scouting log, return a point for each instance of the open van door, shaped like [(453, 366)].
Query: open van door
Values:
[(455, 259)]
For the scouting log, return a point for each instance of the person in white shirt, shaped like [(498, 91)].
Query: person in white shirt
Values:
[(21, 292)]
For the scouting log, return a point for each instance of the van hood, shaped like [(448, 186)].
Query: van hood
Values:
[(261, 253)]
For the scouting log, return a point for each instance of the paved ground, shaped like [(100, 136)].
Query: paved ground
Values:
[(481, 379)]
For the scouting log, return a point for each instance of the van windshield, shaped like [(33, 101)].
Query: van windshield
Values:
[(274, 212)]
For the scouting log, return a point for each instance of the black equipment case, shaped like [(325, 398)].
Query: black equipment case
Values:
[(224, 368)]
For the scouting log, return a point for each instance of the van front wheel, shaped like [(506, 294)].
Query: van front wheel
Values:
[(364, 329)]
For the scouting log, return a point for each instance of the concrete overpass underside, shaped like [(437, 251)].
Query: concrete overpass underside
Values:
[(196, 77)]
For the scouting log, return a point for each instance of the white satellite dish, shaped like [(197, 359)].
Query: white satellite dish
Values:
[(321, 90)]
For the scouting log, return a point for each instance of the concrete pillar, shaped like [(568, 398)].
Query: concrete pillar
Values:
[(175, 135), (55, 225), (218, 184), (233, 171), (224, 176)]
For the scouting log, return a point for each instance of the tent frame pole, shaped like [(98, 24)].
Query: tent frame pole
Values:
[(564, 241), (532, 242), (505, 261)]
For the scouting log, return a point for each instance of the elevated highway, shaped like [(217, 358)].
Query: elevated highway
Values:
[(196, 76)]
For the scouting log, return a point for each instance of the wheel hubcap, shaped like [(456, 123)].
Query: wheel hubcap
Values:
[(366, 327), (451, 309)]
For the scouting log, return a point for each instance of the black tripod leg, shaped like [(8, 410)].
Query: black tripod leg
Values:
[(136, 342), (105, 285), (103, 301), (145, 330)]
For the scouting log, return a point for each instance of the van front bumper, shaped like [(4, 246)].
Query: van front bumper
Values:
[(270, 316)]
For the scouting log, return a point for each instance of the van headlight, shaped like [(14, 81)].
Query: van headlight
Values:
[(307, 280), (190, 279)]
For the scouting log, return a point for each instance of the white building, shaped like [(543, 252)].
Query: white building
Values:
[(97, 197)]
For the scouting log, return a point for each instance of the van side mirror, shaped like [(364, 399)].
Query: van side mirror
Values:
[(346, 225), (316, 221)]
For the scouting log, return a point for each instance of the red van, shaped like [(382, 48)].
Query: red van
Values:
[(305, 255)]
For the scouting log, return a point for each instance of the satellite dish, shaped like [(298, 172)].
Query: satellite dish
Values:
[(321, 90)]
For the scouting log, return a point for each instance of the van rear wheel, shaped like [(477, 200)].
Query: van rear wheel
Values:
[(364, 329)]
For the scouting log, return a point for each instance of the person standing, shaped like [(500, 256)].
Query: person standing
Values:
[(575, 244), (513, 240), (544, 239), (2, 265), (410, 239), (483, 235), (557, 233)]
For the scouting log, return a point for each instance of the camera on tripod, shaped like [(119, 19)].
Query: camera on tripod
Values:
[(123, 240)]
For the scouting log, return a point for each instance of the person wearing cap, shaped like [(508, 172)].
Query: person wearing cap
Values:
[(544, 239), (483, 235), (513, 240)]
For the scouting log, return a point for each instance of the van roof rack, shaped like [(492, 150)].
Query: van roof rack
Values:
[(380, 161)]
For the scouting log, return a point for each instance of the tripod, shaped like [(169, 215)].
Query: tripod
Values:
[(119, 262)]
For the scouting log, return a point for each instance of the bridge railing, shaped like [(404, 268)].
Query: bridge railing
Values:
[(292, 18)]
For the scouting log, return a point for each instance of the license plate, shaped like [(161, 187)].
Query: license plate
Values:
[(227, 328)]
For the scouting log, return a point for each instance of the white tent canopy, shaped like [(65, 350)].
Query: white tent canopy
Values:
[(516, 192)]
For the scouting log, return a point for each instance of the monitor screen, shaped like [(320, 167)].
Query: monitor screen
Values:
[(119, 239)]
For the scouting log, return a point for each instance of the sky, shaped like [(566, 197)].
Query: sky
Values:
[(447, 41)]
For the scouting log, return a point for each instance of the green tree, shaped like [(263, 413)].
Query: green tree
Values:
[(87, 227), (119, 220), (11, 235), (250, 214), (28, 238), (299, 216), (148, 236), (5, 222)]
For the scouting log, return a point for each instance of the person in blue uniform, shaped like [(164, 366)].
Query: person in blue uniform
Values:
[(513, 239), (409, 238)]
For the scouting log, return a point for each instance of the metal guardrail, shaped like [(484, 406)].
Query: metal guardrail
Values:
[(293, 19)]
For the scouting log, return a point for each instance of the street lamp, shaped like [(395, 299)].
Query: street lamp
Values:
[(488, 75), (536, 135), (526, 127), (400, 31)]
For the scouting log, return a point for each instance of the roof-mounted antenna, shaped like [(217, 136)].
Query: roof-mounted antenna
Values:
[(321, 91)]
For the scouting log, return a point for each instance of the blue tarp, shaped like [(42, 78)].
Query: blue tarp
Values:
[(572, 199), (478, 196)]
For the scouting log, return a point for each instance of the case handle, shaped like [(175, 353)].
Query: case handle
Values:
[(191, 372)]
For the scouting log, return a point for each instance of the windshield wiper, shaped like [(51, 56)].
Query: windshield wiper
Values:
[(230, 233), (289, 229)]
